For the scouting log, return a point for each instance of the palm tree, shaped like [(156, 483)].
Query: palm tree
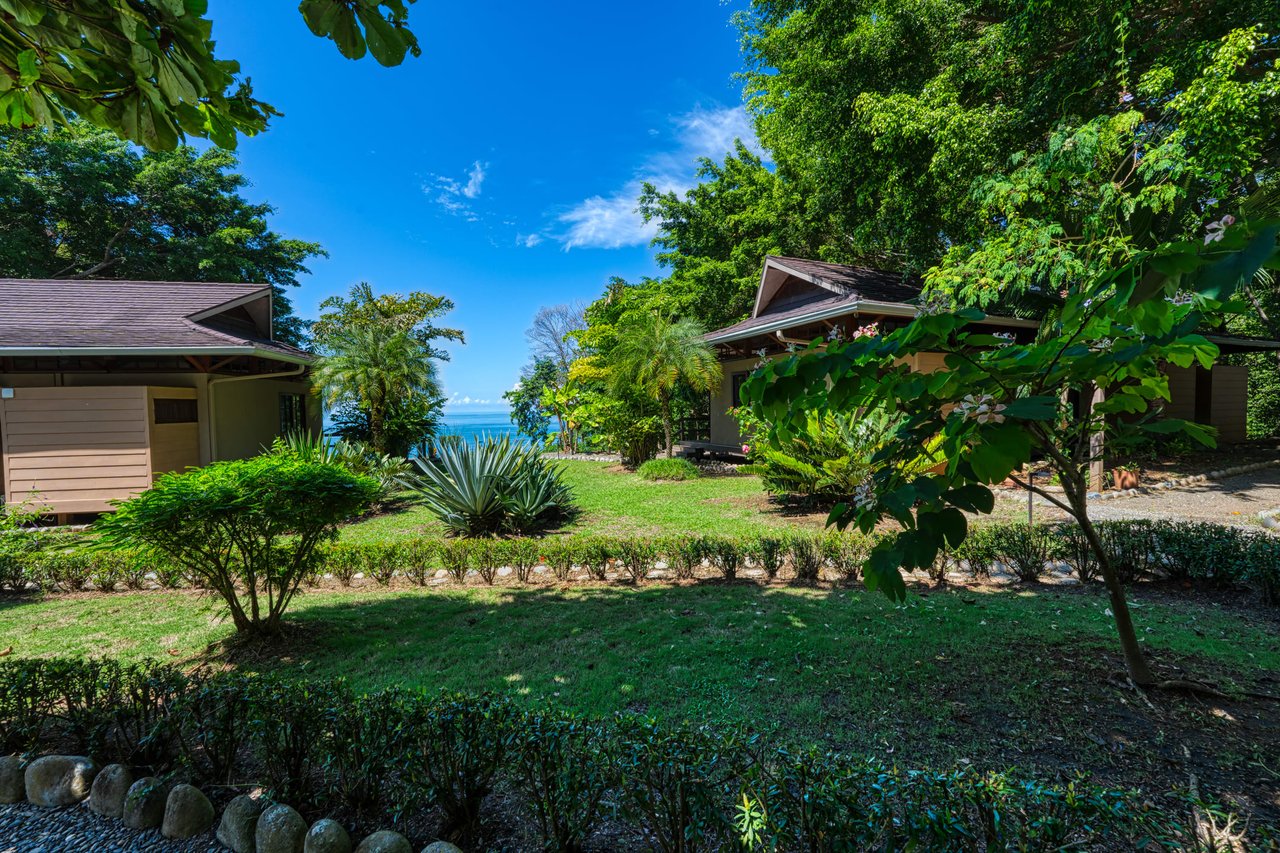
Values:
[(657, 355), (375, 367)]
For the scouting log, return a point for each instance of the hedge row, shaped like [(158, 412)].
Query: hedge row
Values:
[(404, 755), (1139, 549)]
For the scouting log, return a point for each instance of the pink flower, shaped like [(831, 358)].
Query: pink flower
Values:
[(746, 448)]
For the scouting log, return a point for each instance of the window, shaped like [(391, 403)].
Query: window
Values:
[(737, 379), (293, 413), (169, 410)]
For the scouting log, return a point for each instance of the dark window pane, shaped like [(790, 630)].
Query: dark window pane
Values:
[(172, 411), (293, 413)]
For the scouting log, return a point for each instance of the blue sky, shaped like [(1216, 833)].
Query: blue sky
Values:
[(501, 167)]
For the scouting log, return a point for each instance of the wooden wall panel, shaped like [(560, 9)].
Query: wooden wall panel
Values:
[(73, 450)]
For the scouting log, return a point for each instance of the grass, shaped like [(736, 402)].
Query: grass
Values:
[(997, 678), (618, 502)]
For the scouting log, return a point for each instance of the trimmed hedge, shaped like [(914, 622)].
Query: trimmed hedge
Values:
[(405, 755), (1140, 550)]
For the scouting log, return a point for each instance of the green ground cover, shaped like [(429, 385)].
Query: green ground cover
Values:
[(621, 503), (999, 678)]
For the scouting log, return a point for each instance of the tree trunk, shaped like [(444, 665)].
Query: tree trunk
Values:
[(665, 402), (1135, 661), (376, 429)]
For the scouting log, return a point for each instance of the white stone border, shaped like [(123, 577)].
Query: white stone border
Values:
[(1272, 516)]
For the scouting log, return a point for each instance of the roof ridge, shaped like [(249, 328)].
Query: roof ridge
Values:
[(64, 281)]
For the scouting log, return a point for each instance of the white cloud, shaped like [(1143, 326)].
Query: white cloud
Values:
[(459, 399), (528, 240), (452, 194), (611, 222), (475, 178)]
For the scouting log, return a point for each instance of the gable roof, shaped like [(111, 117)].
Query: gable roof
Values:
[(102, 317), (839, 290)]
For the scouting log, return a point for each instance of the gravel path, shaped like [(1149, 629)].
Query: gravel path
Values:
[(25, 828), (1233, 500)]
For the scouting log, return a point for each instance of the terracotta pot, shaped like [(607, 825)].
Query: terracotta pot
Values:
[(1124, 479)]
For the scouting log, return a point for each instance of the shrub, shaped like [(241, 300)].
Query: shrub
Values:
[(419, 557), (355, 456), (1131, 547), (523, 556), (685, 554), (561, 556), (209, 720), (564, 771), (369, 739), (724, 554), (806, 557), (455, 557), (249, 529), (344, 561), (1024, 548), (486, 559), (492, 486), (458, 745), (671, 782), (846, 552), (769, 553), (595, 554), (1078, 553), (637, 555), (668, 469), (288, 727)]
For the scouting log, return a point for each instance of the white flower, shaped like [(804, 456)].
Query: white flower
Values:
[(1102, 345), (834, 334), (762, 352), (1215, 231), (935, 303), (1182, 297), (984, 409), (864, 495), (1007, 338), (791, 347)]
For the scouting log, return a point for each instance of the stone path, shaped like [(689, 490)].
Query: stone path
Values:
[(25, 828)]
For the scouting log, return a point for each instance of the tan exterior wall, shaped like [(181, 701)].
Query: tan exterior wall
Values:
[(1230, 402), (80, 441), (75, 449), (246, 414), (724, 426)]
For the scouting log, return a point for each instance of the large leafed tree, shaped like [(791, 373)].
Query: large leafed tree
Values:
[(146, 69)]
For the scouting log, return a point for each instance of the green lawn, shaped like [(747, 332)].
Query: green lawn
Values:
[(618, 502), (997, 678)]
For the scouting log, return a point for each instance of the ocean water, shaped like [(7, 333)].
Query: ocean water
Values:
[(474, 425)]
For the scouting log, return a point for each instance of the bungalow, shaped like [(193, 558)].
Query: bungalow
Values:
[(800, 300), (105, 385)]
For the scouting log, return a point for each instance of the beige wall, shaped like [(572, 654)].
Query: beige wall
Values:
[(1228, 404), (724, 426), (247, 414), (75, 449)]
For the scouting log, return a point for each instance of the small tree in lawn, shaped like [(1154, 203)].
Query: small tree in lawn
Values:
[(248, 529), (1118, 233)]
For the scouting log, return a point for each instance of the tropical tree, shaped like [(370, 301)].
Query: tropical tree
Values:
[(1136, 233), (146, 69), (81, 203), (375, 369), (657, 356)]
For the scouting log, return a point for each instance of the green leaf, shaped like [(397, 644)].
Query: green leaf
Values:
[(881, 571), (1220, 280), (972, 497), (1041, 408), (385, 42), (28, 67)]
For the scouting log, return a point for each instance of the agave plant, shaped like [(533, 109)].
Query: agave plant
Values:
[(356, 456), (492, 486)]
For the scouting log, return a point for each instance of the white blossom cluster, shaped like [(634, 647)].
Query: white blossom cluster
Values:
[(1214, 231), (864, 495), (983, 409), (1007, 338)]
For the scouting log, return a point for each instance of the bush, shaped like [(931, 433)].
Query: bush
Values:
[(561, 556), (458, 745), (769, 553), (684, 555), (637, 556), (846, 552), (724, 554), (355, 456), (1131, 547), (492, 486), (486, 558), (1024, 548), (668, 469), (419, 558), (595, 553), (806, 557), (248, 529), (1078, 552), (523, 556), (564, 772), (455, 557), (390, 755)]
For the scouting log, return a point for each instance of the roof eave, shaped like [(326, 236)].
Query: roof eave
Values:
[(859, 306), (72, 352)]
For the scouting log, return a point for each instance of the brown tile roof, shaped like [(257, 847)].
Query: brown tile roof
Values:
[(108, 315), (850, 285), (862, 282)]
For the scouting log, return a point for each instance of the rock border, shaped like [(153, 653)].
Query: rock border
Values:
[(1016, 493), (184, 812)]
